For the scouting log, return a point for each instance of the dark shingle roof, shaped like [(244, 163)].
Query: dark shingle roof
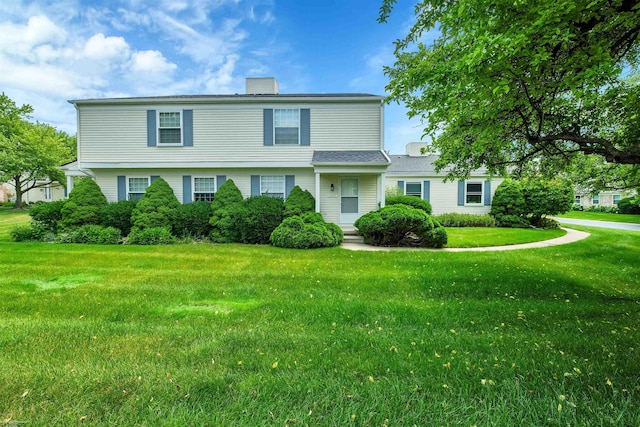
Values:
[(371, 157), (417, 166)]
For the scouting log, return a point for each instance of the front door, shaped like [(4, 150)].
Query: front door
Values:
[(349, 200)]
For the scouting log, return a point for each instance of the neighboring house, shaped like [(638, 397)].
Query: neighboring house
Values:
[(44, 192), (414, 175), (604, 198), (267, 142)]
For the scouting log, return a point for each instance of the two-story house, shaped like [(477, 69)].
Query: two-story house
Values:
[(267, 142)]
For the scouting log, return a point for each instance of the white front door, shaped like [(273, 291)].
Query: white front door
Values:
[(349, 200), (48, 193)]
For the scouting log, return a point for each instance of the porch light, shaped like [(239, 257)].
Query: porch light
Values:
[(332, 187)]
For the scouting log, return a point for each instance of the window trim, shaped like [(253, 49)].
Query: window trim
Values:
[(275, 110), (613, 199), (577, 199), (128, 177), (420, 194), (193, 187), (595, 199), (159, 142), (284, 186), (466, 193)]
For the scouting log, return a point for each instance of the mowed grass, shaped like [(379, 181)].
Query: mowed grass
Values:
[(602, 216), (473, 237), (254, 335)]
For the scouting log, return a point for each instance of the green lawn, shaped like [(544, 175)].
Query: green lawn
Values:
[(602, 216), (254, 335), (473, 237)]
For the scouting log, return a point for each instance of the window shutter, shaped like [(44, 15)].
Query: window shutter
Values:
[(151, 128), (426, 190), (487, 193), (122, 187), (460, 193), (255, 185), (186, 189), (268, 127), (153, 178), (305, 127), (187, 131), (289, 183), (401, 186), (220, 179)]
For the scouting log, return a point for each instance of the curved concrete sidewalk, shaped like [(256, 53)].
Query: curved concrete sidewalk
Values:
[(570, 237)]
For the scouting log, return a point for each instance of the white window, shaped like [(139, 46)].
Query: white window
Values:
[(616, 199), (595, 200), (136, 187), (413, 189), (169, 128), (286, 126), (272, 186), (578, 200), (204, 189), (473, 193)]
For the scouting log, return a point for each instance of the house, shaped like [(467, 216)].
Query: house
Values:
[(586, 200), (413, 174), (45, 191), (267, 142)]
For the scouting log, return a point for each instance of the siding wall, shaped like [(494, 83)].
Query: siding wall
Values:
[(330, 200), (224, 133)]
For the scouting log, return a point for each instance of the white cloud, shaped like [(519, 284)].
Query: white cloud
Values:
[(151, 61), (106, 49), (19, 40)]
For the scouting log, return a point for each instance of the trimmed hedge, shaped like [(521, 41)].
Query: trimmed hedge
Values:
[(401, 225), (465, 220), (629, 205), (224, 209), (508, 206), (84, 204), (118, 215), (298, 202), (258, 217), (308, 231), (413, 201), (48, 214), (156, 208), (192, 220)]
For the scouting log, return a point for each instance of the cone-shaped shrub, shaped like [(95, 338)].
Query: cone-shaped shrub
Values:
[(84, 205), (156, 208), (298, 202), (227, 200)]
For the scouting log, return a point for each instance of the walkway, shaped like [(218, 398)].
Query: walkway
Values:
[(601, 224), (570, 237)]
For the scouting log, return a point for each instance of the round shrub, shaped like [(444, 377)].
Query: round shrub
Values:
[(413, 201), (258, 217), (508, 206), (48, 214), (84, 204), (401, 225), (156, 208), (306, 232), (629, 205), (192, 220), (298, 202), (227, 201), (151, 236), (118, 215)]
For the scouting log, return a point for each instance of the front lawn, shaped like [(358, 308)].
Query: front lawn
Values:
[(474, 237), (256, 335), (602, 216)]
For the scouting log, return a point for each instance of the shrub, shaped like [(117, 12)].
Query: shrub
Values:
[(306, 232), (84, 204), (629, 205), (508, 206), (192, 220), (36, 231), (151, 236), (91, 234), (48, 214), (605, 209), (298, 202), (544, 197), (465, 220), (258, 217), (548, 223), (401, 225), (118, 215), (413, 201), (156, 208), (223, 210)]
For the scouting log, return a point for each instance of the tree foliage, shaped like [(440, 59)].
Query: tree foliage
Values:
[(509, 82), (84, 205)]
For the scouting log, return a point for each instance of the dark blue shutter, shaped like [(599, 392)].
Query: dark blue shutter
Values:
[(255, 185), (487, 193), (460, 193), (151, 128), (426, 190), (401, 186), (220, 179), (305, 127), (154, 177), (65, 192), (187, 131), (122, 187), (289, 183), (186, 189), (268, 127)]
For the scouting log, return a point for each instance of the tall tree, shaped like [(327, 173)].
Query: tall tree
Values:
[(30, 153), (521, 83)]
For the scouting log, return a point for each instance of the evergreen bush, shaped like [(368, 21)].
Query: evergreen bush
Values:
[(629, 205), (413, 201), (227, 202), (156, 208), (84, 204), (192, 220), (298, 202), (118, 215), (508, 206), (306, 232), (258, 217), (48, 214)]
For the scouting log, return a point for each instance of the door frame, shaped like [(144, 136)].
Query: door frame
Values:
[(349, 218)]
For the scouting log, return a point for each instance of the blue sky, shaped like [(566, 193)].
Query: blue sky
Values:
[(55, 50)]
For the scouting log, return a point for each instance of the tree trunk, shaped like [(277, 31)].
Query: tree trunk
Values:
[(18, 187)]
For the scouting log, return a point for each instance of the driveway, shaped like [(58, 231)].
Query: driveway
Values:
[(601, 224)]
